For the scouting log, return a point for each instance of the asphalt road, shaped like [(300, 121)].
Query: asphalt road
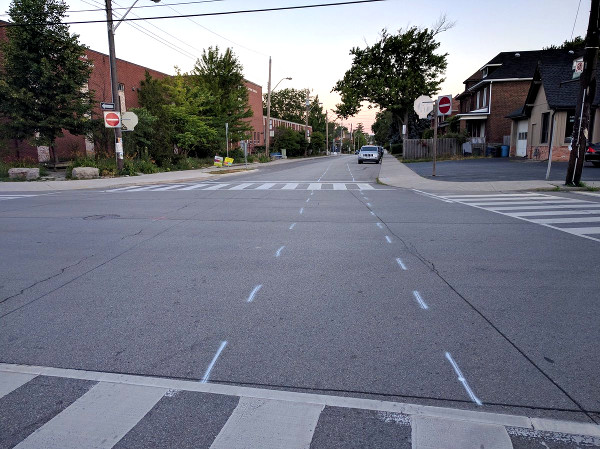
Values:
[(500, 169), (362, 290)]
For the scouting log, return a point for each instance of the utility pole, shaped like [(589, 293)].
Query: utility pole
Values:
[(435, 127), (587, 91), (326, 134), (268, 125), (114, 82), (306, 125)]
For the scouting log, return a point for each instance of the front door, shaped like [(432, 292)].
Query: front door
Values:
[(522, 138)]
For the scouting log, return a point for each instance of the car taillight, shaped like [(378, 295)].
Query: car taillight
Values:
[(591, 150)]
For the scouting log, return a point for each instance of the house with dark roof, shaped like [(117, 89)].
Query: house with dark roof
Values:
[(547, 115), (497, 89)]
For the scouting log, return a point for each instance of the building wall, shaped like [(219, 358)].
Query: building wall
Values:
[(257, 135), (505, 98)]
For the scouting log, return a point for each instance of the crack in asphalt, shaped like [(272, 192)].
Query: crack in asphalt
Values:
[(415, 252)]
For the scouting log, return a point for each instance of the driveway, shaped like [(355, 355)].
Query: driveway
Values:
[(499, 169)]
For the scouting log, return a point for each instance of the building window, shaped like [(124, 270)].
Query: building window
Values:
[(121, 87), (478, 100), (545, 126), (522, 135), (485, 97), (569, 126)]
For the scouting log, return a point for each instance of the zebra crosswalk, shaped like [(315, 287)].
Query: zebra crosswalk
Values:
[(52, 408), (272, 185), (575, 216), (14, 197)]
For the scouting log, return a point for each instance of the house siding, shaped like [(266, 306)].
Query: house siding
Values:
[(505, 98)]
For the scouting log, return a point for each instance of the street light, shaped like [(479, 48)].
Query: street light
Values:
[(308, 109), (113, 75), (268, 125)]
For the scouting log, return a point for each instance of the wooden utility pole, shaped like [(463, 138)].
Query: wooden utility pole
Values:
[(306, 125), (587, 91), (268, 124), (326, 134)]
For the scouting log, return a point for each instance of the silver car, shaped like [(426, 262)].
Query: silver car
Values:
[(369, 153)]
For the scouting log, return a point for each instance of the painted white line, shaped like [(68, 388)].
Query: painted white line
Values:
[(265, 424), (98, 419), (582, 231), (501, 195), (121, 189), (301, 210), (213, 361), (368, 204), (379, 225), (241, 186), (523, 203), (389, 240), (140, 189), (566, 220), (596, 194), (366, 198), (350, 171), (547, 206), (431, 195), (553, 212), (290, 186), (417, 296), (315, 186), (195, 186), (217, 186), (279, 251), (399, 261), (171, 187), (292, 226), (253, 293), (372, 213), (338, 186), (365, 187), (308, 200), (319, 180), (312, 193), (11, 381), (462, 380), (291, 396), (265, 186)]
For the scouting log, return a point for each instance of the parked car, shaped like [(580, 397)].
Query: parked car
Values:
[(592, 154), (369, 153)]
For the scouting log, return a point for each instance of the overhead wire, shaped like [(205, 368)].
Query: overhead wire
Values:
[(575, 21)]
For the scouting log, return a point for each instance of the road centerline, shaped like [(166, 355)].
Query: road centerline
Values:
[(213, 361)]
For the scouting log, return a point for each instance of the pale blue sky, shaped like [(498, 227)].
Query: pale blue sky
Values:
[(312, 46)]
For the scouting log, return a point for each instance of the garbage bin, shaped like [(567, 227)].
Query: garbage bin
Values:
[(489, 151), (505, 150)]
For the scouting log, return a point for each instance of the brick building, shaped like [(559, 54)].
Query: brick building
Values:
[(498, 88)]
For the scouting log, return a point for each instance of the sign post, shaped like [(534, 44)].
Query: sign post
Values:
[(443, 107)]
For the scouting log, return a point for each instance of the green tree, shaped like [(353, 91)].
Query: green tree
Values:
[(221, 76), (287, 104), (393, 72), (317, 141), (43, 78), (577, 43), (288, 139), (316, 117), (360, 137)]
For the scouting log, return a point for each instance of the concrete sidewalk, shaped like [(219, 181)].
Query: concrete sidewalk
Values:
[(397, 174)]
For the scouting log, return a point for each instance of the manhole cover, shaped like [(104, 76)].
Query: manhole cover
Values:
[(101, 217)]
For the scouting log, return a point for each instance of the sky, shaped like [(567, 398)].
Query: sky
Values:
[(312, 45)]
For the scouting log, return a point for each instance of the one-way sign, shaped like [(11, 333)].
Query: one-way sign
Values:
[(107, 106)]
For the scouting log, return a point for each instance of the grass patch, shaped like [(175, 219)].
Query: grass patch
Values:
[(5, 166), (225, 171), (379, 181)]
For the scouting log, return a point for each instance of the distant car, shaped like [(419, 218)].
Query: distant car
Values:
[(592, 154), (369, 153)]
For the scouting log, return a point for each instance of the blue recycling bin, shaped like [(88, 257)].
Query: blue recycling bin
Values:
[(505, 149)]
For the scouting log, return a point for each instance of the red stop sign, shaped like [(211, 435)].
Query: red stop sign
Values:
[(112, 119), (445, 105)]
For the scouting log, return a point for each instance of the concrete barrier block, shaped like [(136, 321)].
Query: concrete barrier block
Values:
[(24, 173), (85, 173)]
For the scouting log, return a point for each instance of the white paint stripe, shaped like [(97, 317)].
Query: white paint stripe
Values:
[(566, 220), (513, 199), (431, 195), (503, 195), (279, 251), (339, 186), (290, 186), (195, 186), (582, 231), (522, 203), (314, 186), (171, 187), (422, 303), (399, 261), (291, 396), (553, 212), (372, 213), (292, 226), (265, 424), (307, 200), (365, 187), (589, 193), (253, 293), (265, 186), (312, 193), (389, 240), (121, 189), (140, 189), (368, 204), (241, 186), (350, 171), (379, 225), (98, 419), (216, 186), (22, 196), (548, 206), (462, 380), (301, 210), (212, 362), (11, 381)]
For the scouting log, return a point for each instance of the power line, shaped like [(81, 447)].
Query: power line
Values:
[(575, 21), (223, 13)]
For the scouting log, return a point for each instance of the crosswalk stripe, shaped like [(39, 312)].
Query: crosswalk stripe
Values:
[(290, 186), (314, 186), (141, 189), (596, 194), (365, 187), (122, 189), (161, 189), (265, 186), (11, 381), (216, 186), (338, 186), (269, 424), (501, 195), (547, 206), (520, 203), (241, 186), (98, 419), (554, 212), (566, 220), (582, 231), (194, 186)]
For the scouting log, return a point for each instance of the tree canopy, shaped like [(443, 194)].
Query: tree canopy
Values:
[(44, 75)]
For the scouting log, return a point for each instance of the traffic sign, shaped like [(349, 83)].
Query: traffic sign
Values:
[(112, 119), (107, 106), (445, 105), (128, 121), (423, 106)]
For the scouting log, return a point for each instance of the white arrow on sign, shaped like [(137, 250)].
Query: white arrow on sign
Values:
[(423, 106), (128, 121)]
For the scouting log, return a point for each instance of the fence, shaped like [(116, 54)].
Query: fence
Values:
[(423, 148)]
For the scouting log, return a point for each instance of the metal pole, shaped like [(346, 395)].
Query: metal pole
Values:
[(114, 86), (435, 126), (306, 123), (550, 148), (326, 134), (268, 125)]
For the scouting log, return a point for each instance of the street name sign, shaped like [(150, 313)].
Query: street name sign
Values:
[(112, 119), (128, 121), (445, 105)]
